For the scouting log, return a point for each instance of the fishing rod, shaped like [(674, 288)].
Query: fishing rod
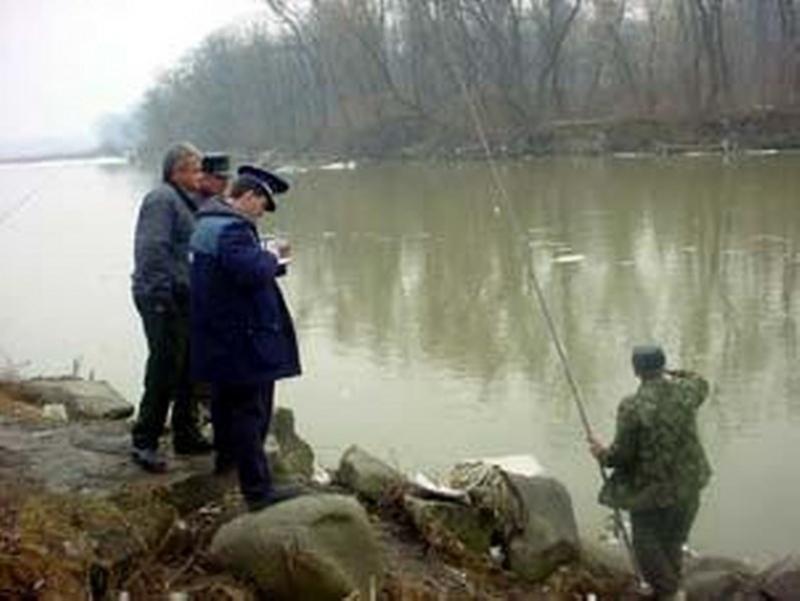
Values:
[(514, 225), (18, 206)]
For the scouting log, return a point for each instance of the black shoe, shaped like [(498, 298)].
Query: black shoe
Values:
[(276, 495), (191, 445), (223, 465), (149, 460)]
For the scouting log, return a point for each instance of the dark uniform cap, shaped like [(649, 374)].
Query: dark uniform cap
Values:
[(648, 357), (271, 183), (217, 163)]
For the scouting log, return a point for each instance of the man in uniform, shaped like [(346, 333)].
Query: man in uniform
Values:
[(215, 176), (659, 466), (243, 339), (161, 296)]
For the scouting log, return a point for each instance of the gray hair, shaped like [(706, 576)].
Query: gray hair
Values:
[(175, 155)]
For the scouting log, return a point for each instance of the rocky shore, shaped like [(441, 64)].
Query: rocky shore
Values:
[(79, 521)]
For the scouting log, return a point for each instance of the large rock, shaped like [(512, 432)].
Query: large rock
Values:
[(533, 514), (550, 535), (291, 457), (781, 580), (313, 547), (83, 399), (366, 475), (719, 579), (437, 519)]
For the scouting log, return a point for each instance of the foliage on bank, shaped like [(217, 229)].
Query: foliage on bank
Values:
[(400, 77)]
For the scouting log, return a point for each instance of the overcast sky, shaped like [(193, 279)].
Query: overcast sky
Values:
[(65, 63)]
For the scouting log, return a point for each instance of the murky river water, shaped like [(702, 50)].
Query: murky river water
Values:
[(421, 338)]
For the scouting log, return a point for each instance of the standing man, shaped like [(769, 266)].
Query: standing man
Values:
[(659, 466), (161, 296), (243, 338), (215, 176)]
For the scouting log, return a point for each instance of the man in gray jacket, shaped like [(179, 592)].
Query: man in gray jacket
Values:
[(161, 295)]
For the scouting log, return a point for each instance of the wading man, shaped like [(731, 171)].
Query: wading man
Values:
[(243, 339), (161, 296), (659, 466)]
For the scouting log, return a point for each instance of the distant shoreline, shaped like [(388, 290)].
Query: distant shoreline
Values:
[(97, 159), (44, 157)]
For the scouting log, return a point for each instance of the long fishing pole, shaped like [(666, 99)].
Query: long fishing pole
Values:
[(18, 206), (513, 223)]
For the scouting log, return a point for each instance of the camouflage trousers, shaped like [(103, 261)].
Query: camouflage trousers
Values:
[(658, 539)]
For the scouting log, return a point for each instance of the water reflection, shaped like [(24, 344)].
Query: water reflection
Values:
[(415, 263)]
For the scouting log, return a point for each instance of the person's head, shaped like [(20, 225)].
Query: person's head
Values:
[(250, 198), (253, 191), (181, 166), (215, 176), (648, 361)]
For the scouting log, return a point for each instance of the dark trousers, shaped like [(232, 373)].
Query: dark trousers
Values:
[(166, 376), (241, 414), (658, 539)]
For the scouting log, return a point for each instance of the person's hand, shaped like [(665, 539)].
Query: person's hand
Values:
[(280, 248), (677, 373), (283, 249), (596, 448)]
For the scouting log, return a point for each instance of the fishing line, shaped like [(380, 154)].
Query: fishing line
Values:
[(517, 234), (18, 206)]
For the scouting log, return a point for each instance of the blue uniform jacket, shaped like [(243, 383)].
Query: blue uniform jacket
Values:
[(241, 329)]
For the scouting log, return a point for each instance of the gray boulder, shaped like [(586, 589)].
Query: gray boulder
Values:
[(533, 513), (313, 547), (781, 580), (549, 534), (435, 519), (719, 579), (83, 399), (366, 475), (603, 556), (291, 457)]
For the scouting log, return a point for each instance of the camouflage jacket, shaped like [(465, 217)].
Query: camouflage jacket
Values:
[(656, 456)]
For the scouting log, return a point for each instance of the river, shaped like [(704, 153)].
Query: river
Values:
[(421, 336)]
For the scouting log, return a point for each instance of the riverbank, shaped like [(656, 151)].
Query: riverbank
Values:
[(79, 520), (729, 135), (757, 131)]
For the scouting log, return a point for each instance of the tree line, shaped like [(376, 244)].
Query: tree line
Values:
[(387, 77)]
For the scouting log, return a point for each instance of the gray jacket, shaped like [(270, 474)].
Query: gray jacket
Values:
[(161, 246)]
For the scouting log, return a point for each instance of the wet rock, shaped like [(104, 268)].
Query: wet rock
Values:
[(781, 580), (292, 458), (549, 536), (719, 579), (607, 556), (469, 525), (83, 399), (366, 475), (533, 514), (313, 547)]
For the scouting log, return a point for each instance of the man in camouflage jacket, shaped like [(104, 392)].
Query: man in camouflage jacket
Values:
[(659, 466)]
